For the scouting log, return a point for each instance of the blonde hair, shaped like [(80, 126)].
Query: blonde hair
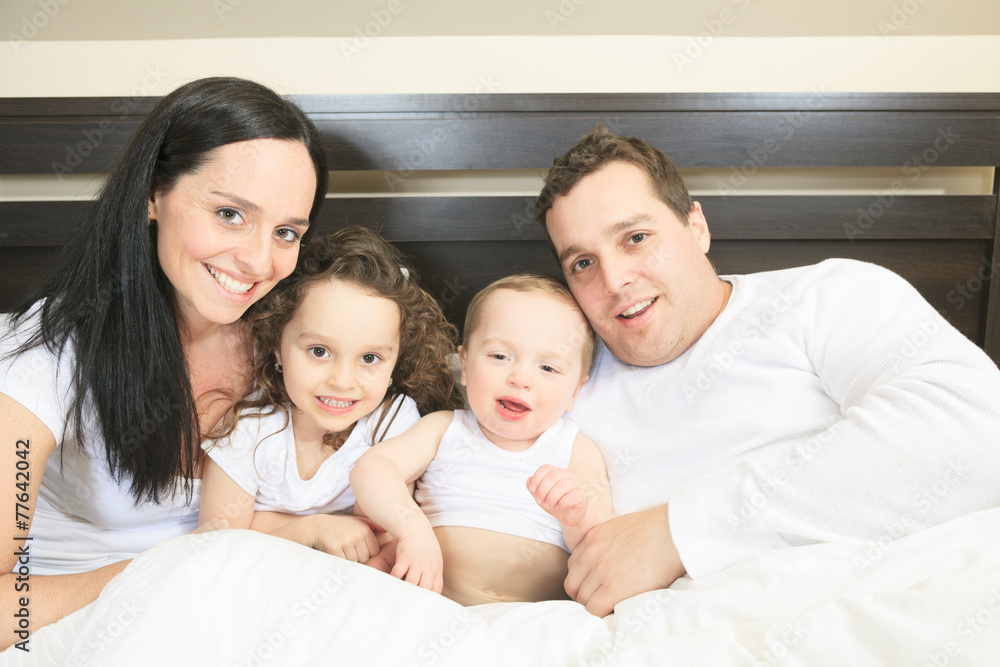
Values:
[(532, 283)]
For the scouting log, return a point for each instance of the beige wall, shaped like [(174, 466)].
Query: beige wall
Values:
[(128, 47), (123, 47)]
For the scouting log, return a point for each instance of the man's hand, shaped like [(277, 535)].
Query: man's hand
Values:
[(622, 557)]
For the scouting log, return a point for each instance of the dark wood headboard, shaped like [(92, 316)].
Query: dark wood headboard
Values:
[(946, 245)]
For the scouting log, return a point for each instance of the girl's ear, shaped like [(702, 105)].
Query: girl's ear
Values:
[(461, 358)]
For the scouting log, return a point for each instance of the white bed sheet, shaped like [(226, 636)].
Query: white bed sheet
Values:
[(242, 598)]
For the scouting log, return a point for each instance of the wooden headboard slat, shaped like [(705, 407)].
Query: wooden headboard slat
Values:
[(946, 245)]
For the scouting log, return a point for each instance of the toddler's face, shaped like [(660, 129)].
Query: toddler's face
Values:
[(523, 366), (337, 355)]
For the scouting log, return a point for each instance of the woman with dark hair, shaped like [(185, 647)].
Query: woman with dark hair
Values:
[(137, 346)]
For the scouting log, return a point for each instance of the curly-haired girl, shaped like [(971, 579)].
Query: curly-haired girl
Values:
[(349, 351)]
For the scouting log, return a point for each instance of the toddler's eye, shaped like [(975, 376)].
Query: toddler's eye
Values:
[(370, 358), (500, 357), (548, 369), (319, 352)]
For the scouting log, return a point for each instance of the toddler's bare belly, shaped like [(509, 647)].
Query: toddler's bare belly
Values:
[(483, 566)]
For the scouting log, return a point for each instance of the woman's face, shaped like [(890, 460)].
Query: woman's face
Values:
[(228, 232)]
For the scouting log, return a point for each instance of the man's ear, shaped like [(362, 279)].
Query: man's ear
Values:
[(699, 227), (461, 359)]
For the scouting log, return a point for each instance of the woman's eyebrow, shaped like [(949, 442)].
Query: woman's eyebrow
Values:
[(240, 201)]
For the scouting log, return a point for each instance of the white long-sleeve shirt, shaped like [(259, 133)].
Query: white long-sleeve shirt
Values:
[(828, 402)]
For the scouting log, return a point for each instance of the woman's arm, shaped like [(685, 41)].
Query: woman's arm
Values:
[(26, 444), (223, 498)]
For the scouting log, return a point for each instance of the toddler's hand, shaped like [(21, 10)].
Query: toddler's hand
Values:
[(344, 536), (560, 493), (419, 561), (384, 560)]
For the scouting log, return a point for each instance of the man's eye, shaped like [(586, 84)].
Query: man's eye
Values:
[(581, 264)]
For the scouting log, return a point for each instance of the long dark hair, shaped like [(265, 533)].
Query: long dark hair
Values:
[(110, 297), (363, 258)]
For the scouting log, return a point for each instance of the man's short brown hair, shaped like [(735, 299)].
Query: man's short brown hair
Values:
[(602, 147)]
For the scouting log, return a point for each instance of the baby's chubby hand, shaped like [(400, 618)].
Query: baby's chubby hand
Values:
[(560, 493), (419, 561)]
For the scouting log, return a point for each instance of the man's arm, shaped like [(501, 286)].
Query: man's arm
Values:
[(915, 443)]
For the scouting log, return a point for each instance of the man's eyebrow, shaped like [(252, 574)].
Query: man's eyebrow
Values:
[(614, 230), (250, 206)]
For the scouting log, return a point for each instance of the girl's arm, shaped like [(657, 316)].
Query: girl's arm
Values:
[(380, 481), (26, 444), (579, 497)]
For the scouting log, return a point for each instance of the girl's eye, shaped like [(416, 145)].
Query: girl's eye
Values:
[(370, 358), (287, 235), (318, 352), (230, 216)]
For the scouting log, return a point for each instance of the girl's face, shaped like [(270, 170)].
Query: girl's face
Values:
[(337, 354), (228, 232)]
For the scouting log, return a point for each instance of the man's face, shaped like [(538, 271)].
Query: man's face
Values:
[(639, 274)]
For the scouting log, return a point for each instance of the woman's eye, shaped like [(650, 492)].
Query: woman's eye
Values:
[(370, 358), (319, 352), (231, 216), (288, 235), (637, 238)]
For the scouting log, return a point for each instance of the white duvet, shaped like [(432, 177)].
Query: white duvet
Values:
[(242, 598)]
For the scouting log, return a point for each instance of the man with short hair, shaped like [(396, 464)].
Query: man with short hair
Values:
[(749, 413)]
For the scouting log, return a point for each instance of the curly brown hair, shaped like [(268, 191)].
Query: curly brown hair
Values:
[(362, 257)]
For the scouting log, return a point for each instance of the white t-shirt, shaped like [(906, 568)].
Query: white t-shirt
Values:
[(259, 455), (473, 482), (83, 519), (828, 402)]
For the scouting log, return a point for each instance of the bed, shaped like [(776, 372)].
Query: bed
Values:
[(932, 598)]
